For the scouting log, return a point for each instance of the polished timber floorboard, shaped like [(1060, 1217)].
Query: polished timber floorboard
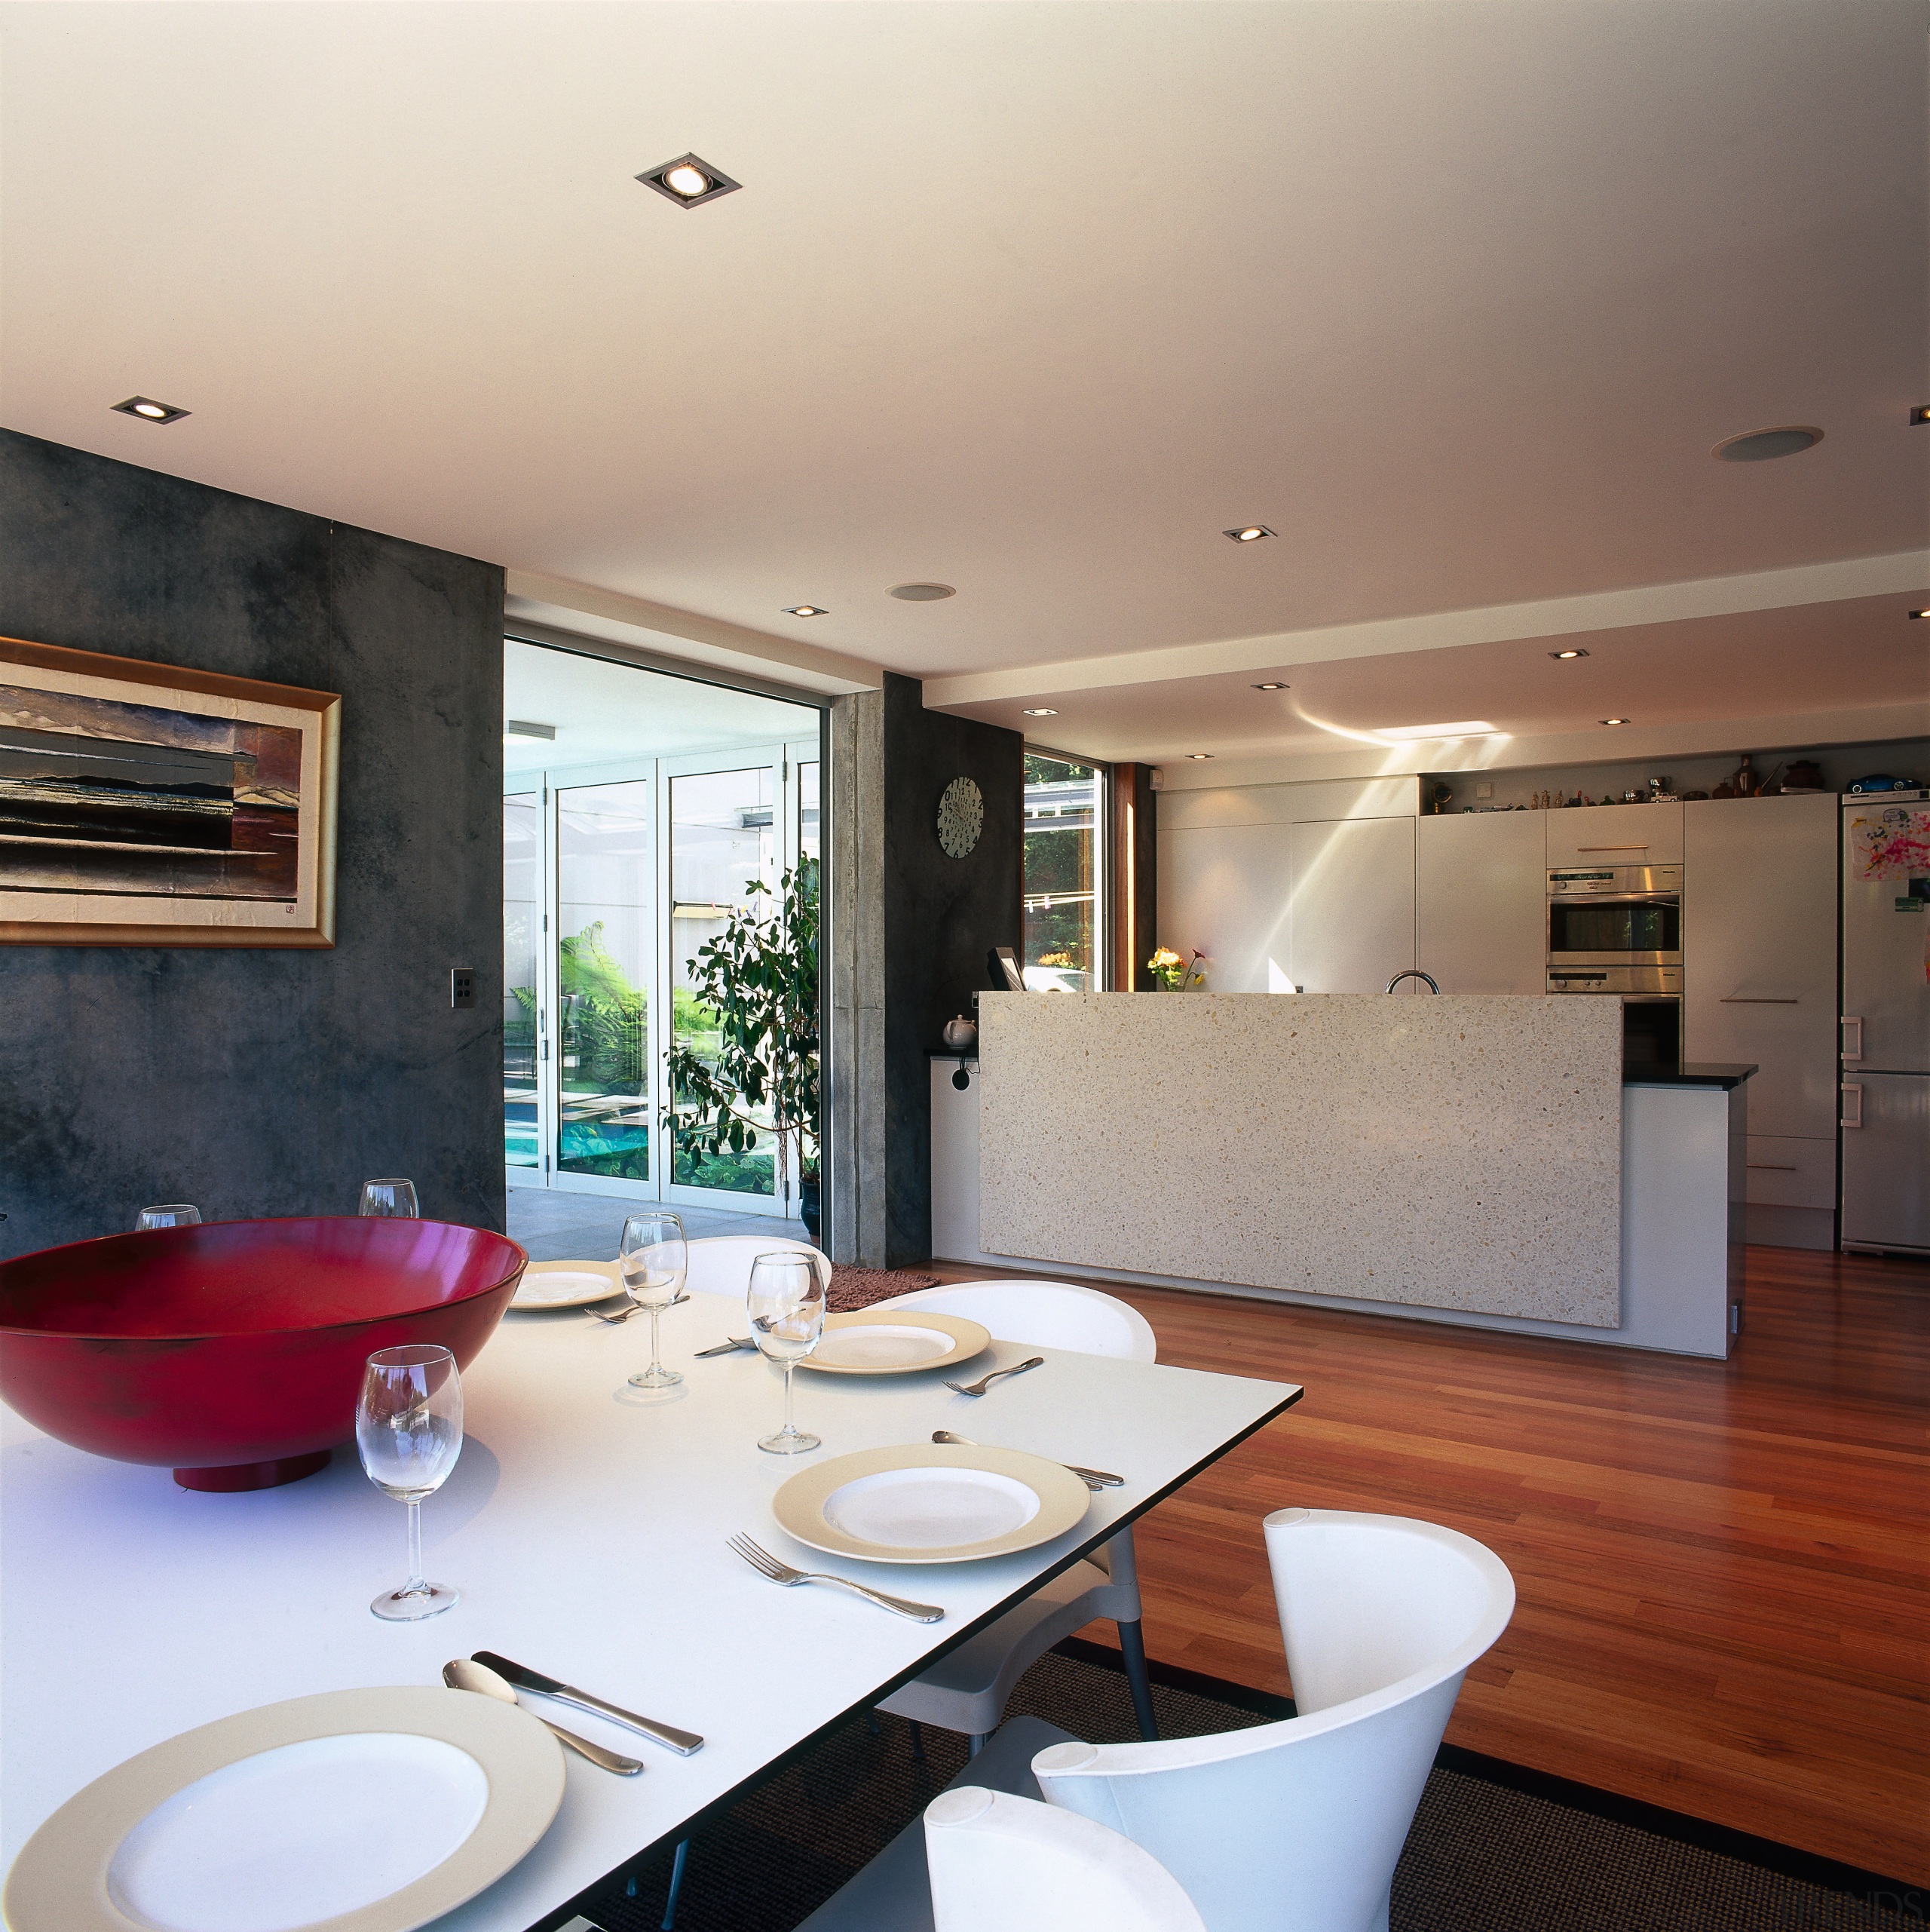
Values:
[(1721, 1566)]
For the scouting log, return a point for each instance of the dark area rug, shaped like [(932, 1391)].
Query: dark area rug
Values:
[(854, 1288), (1493, 1849)]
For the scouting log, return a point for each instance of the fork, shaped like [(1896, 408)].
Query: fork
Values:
[(763, 1561), (985, 1382), (636, 1308)]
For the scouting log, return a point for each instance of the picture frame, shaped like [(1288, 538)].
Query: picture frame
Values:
[(144, 803)]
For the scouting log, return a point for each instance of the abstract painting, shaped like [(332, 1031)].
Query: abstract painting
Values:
[(149, 804)]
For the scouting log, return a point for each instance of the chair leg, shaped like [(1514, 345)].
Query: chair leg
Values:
[(978, 1744), (1133, 1648), (676, 1884), (917, 1740)]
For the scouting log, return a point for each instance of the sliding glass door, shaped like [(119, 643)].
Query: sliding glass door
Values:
[(616, 880)]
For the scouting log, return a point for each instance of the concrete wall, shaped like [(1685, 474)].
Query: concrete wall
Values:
[(266, 1082), (912, 926)]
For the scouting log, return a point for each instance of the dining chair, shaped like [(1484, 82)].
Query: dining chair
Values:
[(720, 1263), (966, 1689), (1296, 1826), (1001, 1863)]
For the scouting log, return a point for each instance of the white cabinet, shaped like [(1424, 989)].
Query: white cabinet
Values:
[(1621, 834), (1353, 904), (1759, 960), (1225, 889), (1481, 901), (1787, 1171)]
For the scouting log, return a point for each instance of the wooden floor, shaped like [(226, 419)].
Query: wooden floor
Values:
[(1721, 1567)]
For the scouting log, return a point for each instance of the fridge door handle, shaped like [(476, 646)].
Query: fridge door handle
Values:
[(1846, 1020), (1845, 1117)]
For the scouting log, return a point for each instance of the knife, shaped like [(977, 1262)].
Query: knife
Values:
[(682, 1742)]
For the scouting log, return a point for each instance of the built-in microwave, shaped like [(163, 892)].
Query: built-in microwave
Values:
[(1614, 915)]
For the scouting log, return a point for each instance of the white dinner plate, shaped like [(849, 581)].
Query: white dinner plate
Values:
[(877, 1342), (371, 1811), (566, 1284), (930, 1502)]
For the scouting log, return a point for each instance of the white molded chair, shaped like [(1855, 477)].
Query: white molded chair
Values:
[(966, 1689), (1044, 1314), (720, 1263), (1297, 1826), (999, 1863)]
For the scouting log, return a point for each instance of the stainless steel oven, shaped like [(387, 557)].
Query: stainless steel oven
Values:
[(1614, 915), (1651, 1006)]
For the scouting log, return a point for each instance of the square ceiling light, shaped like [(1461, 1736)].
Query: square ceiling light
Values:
[(148, 410), (688, 181)]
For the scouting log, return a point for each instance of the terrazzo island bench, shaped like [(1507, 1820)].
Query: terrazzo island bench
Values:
[(1480, 1159)]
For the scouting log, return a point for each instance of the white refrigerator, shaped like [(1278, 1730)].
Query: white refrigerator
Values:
[(1886, 1097)]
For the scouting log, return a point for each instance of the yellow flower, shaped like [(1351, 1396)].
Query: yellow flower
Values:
[(1163, 958)]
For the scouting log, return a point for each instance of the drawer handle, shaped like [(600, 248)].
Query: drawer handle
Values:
[(1756, 999), (1771, 1167), (1642, 847)]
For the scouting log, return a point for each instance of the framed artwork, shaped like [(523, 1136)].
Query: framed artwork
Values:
[(146, 804)]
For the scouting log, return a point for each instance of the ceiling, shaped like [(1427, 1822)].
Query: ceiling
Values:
[(1819, 659), (605, 713), (1033, 301)]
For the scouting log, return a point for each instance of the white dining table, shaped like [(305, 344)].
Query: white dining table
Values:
[(585, 1531)]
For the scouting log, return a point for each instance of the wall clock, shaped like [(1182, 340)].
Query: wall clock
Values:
[(961, 815)]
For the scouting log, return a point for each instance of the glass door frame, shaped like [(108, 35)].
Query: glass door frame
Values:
[(783, 758)]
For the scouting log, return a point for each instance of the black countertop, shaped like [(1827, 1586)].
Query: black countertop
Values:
[(1688, 1073)]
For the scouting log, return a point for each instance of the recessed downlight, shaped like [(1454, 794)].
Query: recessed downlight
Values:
[(1563, 657), (922, 593), (688, 181), (1042, 711), (1762, 445), (148, 410), (1269, 687), (1247, 533), (1198, 754), (806, 610), (1922, 613), (1921, 414), (1615, 721), (1461, 727)]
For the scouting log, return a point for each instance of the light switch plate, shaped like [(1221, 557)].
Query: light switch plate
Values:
[(462, 985)]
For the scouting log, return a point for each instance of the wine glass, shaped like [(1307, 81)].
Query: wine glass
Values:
[(408, 1430), (653, 1263), (786, 1303), (171, 1214), (393, 1199)]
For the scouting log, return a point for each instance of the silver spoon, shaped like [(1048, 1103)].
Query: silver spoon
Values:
[(985, 1382), (465, 1673), (1093, 1479)]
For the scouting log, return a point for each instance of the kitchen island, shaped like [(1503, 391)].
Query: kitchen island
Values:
[(1483, 1160)]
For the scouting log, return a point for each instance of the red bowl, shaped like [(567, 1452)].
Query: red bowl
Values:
[(233, 1352)]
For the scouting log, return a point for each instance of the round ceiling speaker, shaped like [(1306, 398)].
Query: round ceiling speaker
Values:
[(923, 594), (1759, 446)]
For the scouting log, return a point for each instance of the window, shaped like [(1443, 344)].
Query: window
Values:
[(1064, 929)]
